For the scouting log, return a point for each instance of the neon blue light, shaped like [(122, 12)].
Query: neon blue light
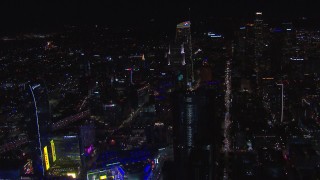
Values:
[(216, 36), (277, 30), (147, 168), (121, 170), (35, 106), (147, 175), (112, 164), (213, 82), (34, 87), (213, 35)]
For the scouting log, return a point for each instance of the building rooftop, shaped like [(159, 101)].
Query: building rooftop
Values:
[(185, 24)]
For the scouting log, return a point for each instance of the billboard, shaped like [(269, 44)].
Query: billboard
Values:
[(53, 149), (28, 168), (103, 177), (46, 157), (72, 174)]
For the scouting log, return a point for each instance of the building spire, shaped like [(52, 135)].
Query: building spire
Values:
[(168, 55), (143, 58)]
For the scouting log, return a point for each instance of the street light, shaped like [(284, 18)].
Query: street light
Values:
[(281, 101)]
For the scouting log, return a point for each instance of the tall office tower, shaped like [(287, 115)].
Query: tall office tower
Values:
[(111, 113), (85, 84), (258, 35), (187, 120), (241, 40), (193, 138), (183, 33), (68, 155), (258, 43), (87, 139), (38, 126), (180, 54)]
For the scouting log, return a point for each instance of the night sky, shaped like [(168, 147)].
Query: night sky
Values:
[(25, 13)]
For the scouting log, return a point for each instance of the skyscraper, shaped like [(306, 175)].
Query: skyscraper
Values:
[(258, 44), (85, 75), (68, 154), (39, 126), (193, 139), (180, 54), (258, 35), (183, 33)]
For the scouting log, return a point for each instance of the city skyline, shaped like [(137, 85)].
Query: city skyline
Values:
[(21, 16), (160, 90)]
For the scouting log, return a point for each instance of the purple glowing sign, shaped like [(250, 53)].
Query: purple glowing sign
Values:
[(89, 149)]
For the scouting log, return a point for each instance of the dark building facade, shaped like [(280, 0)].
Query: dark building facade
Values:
[(39, 126), (193, 134)]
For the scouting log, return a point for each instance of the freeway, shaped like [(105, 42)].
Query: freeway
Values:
[(131, 117), (227, 122), (68, 120), (13, 144), (60, 124)]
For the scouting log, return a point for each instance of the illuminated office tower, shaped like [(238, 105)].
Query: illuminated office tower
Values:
[(67, 148), (71, 151), (258, 35), (187, 120), (258, 44), (289, 44), (183, 33), (112, 113), (68, 158), (179, 54), (38, 126), (85, 80), (242, 39)]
